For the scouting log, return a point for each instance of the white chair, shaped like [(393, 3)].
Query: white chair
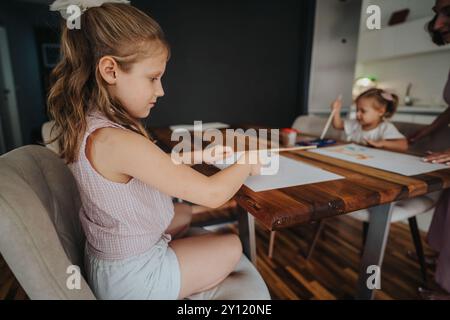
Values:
[(404, 210)]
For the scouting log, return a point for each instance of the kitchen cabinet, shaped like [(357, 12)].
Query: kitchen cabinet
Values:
[(414, 118), (414, 114)]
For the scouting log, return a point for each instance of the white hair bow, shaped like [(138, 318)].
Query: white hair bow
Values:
[(62, 5)]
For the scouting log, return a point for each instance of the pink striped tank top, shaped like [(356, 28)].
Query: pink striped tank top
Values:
[(119, 220)]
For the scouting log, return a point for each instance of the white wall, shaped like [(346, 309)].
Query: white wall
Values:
[(427, 72), (333, 62)]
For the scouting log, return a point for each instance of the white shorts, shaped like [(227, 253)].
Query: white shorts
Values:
[(152, 275)]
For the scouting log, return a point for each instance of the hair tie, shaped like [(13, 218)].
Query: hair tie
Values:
[(387, 96)]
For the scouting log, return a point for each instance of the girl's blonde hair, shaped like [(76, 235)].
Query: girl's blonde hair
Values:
[(117, 30), (384, 98)]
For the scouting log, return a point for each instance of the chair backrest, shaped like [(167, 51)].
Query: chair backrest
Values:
[(48, 134), (314, 125), (40, 232), (437, 141)]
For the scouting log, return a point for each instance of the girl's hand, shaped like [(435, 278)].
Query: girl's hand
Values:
[(438, 157), (255, 170), (216, 153), (337, 104), (398, 145), (375, 144), (250, 158), (253, 158)]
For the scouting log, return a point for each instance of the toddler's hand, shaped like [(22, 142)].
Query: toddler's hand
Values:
[(375, 144), (337, 104)]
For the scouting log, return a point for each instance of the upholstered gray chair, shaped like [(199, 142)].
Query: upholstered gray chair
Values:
[(41, 236)]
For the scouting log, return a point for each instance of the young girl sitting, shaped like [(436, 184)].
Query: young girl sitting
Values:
[(109, 78), (371, 127)]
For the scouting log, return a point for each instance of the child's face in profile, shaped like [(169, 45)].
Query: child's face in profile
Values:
[(139, 88), (368, 113)]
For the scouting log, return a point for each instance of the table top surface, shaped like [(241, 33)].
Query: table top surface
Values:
[(363, 187)]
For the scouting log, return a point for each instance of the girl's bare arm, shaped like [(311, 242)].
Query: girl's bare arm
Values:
[(336, 107), (116, 151), (394, 145)]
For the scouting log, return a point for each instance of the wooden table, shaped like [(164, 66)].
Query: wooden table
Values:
[(363, 187)]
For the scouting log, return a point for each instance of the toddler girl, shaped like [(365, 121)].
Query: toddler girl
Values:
[(371, 127)]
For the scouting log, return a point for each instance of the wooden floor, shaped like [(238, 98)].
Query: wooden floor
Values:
[(10, 289), (331, 273)]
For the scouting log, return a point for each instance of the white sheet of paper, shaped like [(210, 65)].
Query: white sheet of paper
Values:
[(205, 126), (291, 173), (381, 159)]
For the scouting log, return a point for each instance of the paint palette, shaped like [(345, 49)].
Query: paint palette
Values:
[(317, 142)]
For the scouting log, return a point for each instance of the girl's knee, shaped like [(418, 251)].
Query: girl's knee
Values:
[(234, 246)]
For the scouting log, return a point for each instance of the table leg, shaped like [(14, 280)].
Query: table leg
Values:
[(379, 223), (247, 234)]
